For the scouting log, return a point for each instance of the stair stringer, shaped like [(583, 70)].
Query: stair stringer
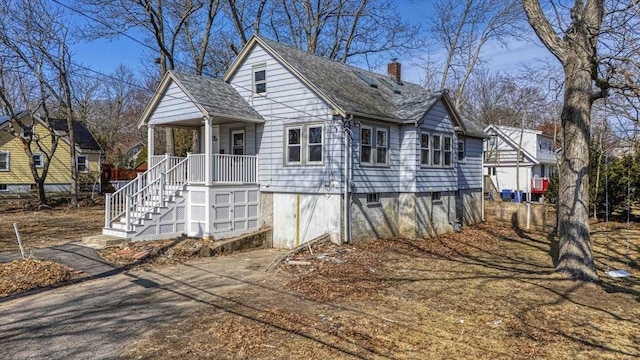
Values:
[(166, 222)]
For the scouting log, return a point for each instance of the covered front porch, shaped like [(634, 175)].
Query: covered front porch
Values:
[(212, 192)]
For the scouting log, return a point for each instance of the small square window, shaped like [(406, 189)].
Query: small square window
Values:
[(436, 196), (4, 187), (37, 160), (27, 131), (82, 164), (373, 198)]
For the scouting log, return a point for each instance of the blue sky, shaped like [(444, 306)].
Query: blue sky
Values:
[(105, 55)]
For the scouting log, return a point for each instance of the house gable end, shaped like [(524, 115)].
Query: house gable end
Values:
[(171, 103), (509, 141)]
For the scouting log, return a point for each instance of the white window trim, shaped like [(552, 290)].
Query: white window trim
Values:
[(438, 149), (244, 141), (86, 163), (287, 145), (8, 154), (373, 159), (428, 149), (6, 188), (304, 144), (464, 151), (255, 83), (308, 143), (41, 160), (386, 146)]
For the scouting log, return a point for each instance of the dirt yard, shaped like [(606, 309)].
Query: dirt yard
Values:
[(488, 292), (57, 225)]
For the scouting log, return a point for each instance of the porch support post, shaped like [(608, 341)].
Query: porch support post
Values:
[(208, 172), (208, 151), (150, 142)]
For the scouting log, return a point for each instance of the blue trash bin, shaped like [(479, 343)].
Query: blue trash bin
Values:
[(517, 196), (506, 194)]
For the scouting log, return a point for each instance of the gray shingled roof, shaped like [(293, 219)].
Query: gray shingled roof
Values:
[(217, 97), (341, 84), (83, 137)]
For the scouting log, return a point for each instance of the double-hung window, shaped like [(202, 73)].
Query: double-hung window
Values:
[(82, 164), (436, 146), (314, 144), (365, 145), (304, 144), (260, 79), (374, 145), (448, 151), (294, 145), (382, 145), (37, 160), (4, 161), (424, 149), (461, 154)]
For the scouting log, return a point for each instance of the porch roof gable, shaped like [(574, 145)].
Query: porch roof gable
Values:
[(213, 97)]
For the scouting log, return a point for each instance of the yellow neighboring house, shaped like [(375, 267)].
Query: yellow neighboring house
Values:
[(15, 174)]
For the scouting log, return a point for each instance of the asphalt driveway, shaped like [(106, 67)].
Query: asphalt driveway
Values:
[(97, 319)]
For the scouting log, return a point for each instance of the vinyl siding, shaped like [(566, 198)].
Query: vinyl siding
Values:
[(59, 168), (437, 178), (289, 102), (470, 171), (174, 106), (377, 178)]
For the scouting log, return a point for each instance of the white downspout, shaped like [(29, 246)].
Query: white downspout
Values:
[(482, 184), (347, 184)]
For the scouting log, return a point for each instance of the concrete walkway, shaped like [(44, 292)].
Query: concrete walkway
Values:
[(75, 254), (97, 319)]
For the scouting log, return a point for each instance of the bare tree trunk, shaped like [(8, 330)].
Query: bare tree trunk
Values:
[(575, 258)]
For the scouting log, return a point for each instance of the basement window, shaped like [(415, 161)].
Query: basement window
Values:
[(436, 197), (4, 187), (373, 198)]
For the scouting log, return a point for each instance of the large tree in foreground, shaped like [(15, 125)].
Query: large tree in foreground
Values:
[(596, 43)]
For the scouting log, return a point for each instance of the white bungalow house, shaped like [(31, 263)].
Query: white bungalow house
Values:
[(509, 151), (307, 146)]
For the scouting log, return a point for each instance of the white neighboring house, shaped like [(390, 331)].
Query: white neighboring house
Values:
[(306, 146), (537, 161)]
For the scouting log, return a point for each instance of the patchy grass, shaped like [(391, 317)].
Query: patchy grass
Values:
[(488, 292), (56, 225)]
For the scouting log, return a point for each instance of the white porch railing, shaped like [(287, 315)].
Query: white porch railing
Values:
[(170, 173), (197, 168), (235, 169), (116, 203)]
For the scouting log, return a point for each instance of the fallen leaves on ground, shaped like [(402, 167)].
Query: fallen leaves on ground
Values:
[(23, 275), (486, 292)]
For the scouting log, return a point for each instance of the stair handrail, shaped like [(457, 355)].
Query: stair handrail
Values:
[(154, 193), (115, 203)]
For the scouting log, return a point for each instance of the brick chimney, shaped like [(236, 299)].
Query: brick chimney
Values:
[(393, 70)]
